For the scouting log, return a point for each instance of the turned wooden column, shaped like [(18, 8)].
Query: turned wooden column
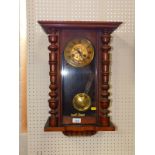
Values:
[(104, 98), (53, 101)]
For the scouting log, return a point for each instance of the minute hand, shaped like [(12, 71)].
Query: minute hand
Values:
[(80, 53)]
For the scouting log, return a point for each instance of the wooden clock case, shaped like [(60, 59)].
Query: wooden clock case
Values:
[(59, 32)]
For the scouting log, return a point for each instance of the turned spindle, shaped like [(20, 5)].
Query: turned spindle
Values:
[(104, 99), (53, 101)]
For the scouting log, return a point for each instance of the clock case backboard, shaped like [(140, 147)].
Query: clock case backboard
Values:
[(59, 34)]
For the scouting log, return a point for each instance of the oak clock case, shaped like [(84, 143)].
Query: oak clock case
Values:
[(79, 76)]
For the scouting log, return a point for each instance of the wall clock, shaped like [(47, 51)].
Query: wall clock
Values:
[(79, 76)]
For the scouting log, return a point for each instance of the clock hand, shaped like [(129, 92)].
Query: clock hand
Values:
[(80, 53)]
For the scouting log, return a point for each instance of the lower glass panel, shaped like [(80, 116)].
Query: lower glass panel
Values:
[(78, 89)]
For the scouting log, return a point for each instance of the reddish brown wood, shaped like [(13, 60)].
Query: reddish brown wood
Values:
[(79, 130), (104, 98), (84, 120), (53, 101), (105, 26), (60, 32)]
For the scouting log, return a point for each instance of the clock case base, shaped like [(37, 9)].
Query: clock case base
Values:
[(78, 130)]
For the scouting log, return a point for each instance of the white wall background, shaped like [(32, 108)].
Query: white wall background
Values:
[(120, 142)]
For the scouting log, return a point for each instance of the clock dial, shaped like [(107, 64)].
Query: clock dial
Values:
[(79, 52)]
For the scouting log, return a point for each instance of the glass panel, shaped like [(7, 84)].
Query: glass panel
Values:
[(77, 80)]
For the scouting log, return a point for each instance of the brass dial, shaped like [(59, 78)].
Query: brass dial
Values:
[(79, 52)]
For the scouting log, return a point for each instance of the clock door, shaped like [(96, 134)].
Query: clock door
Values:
[(79, 82)]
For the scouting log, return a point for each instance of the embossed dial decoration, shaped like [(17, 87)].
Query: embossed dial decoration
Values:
[(79, 52)]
